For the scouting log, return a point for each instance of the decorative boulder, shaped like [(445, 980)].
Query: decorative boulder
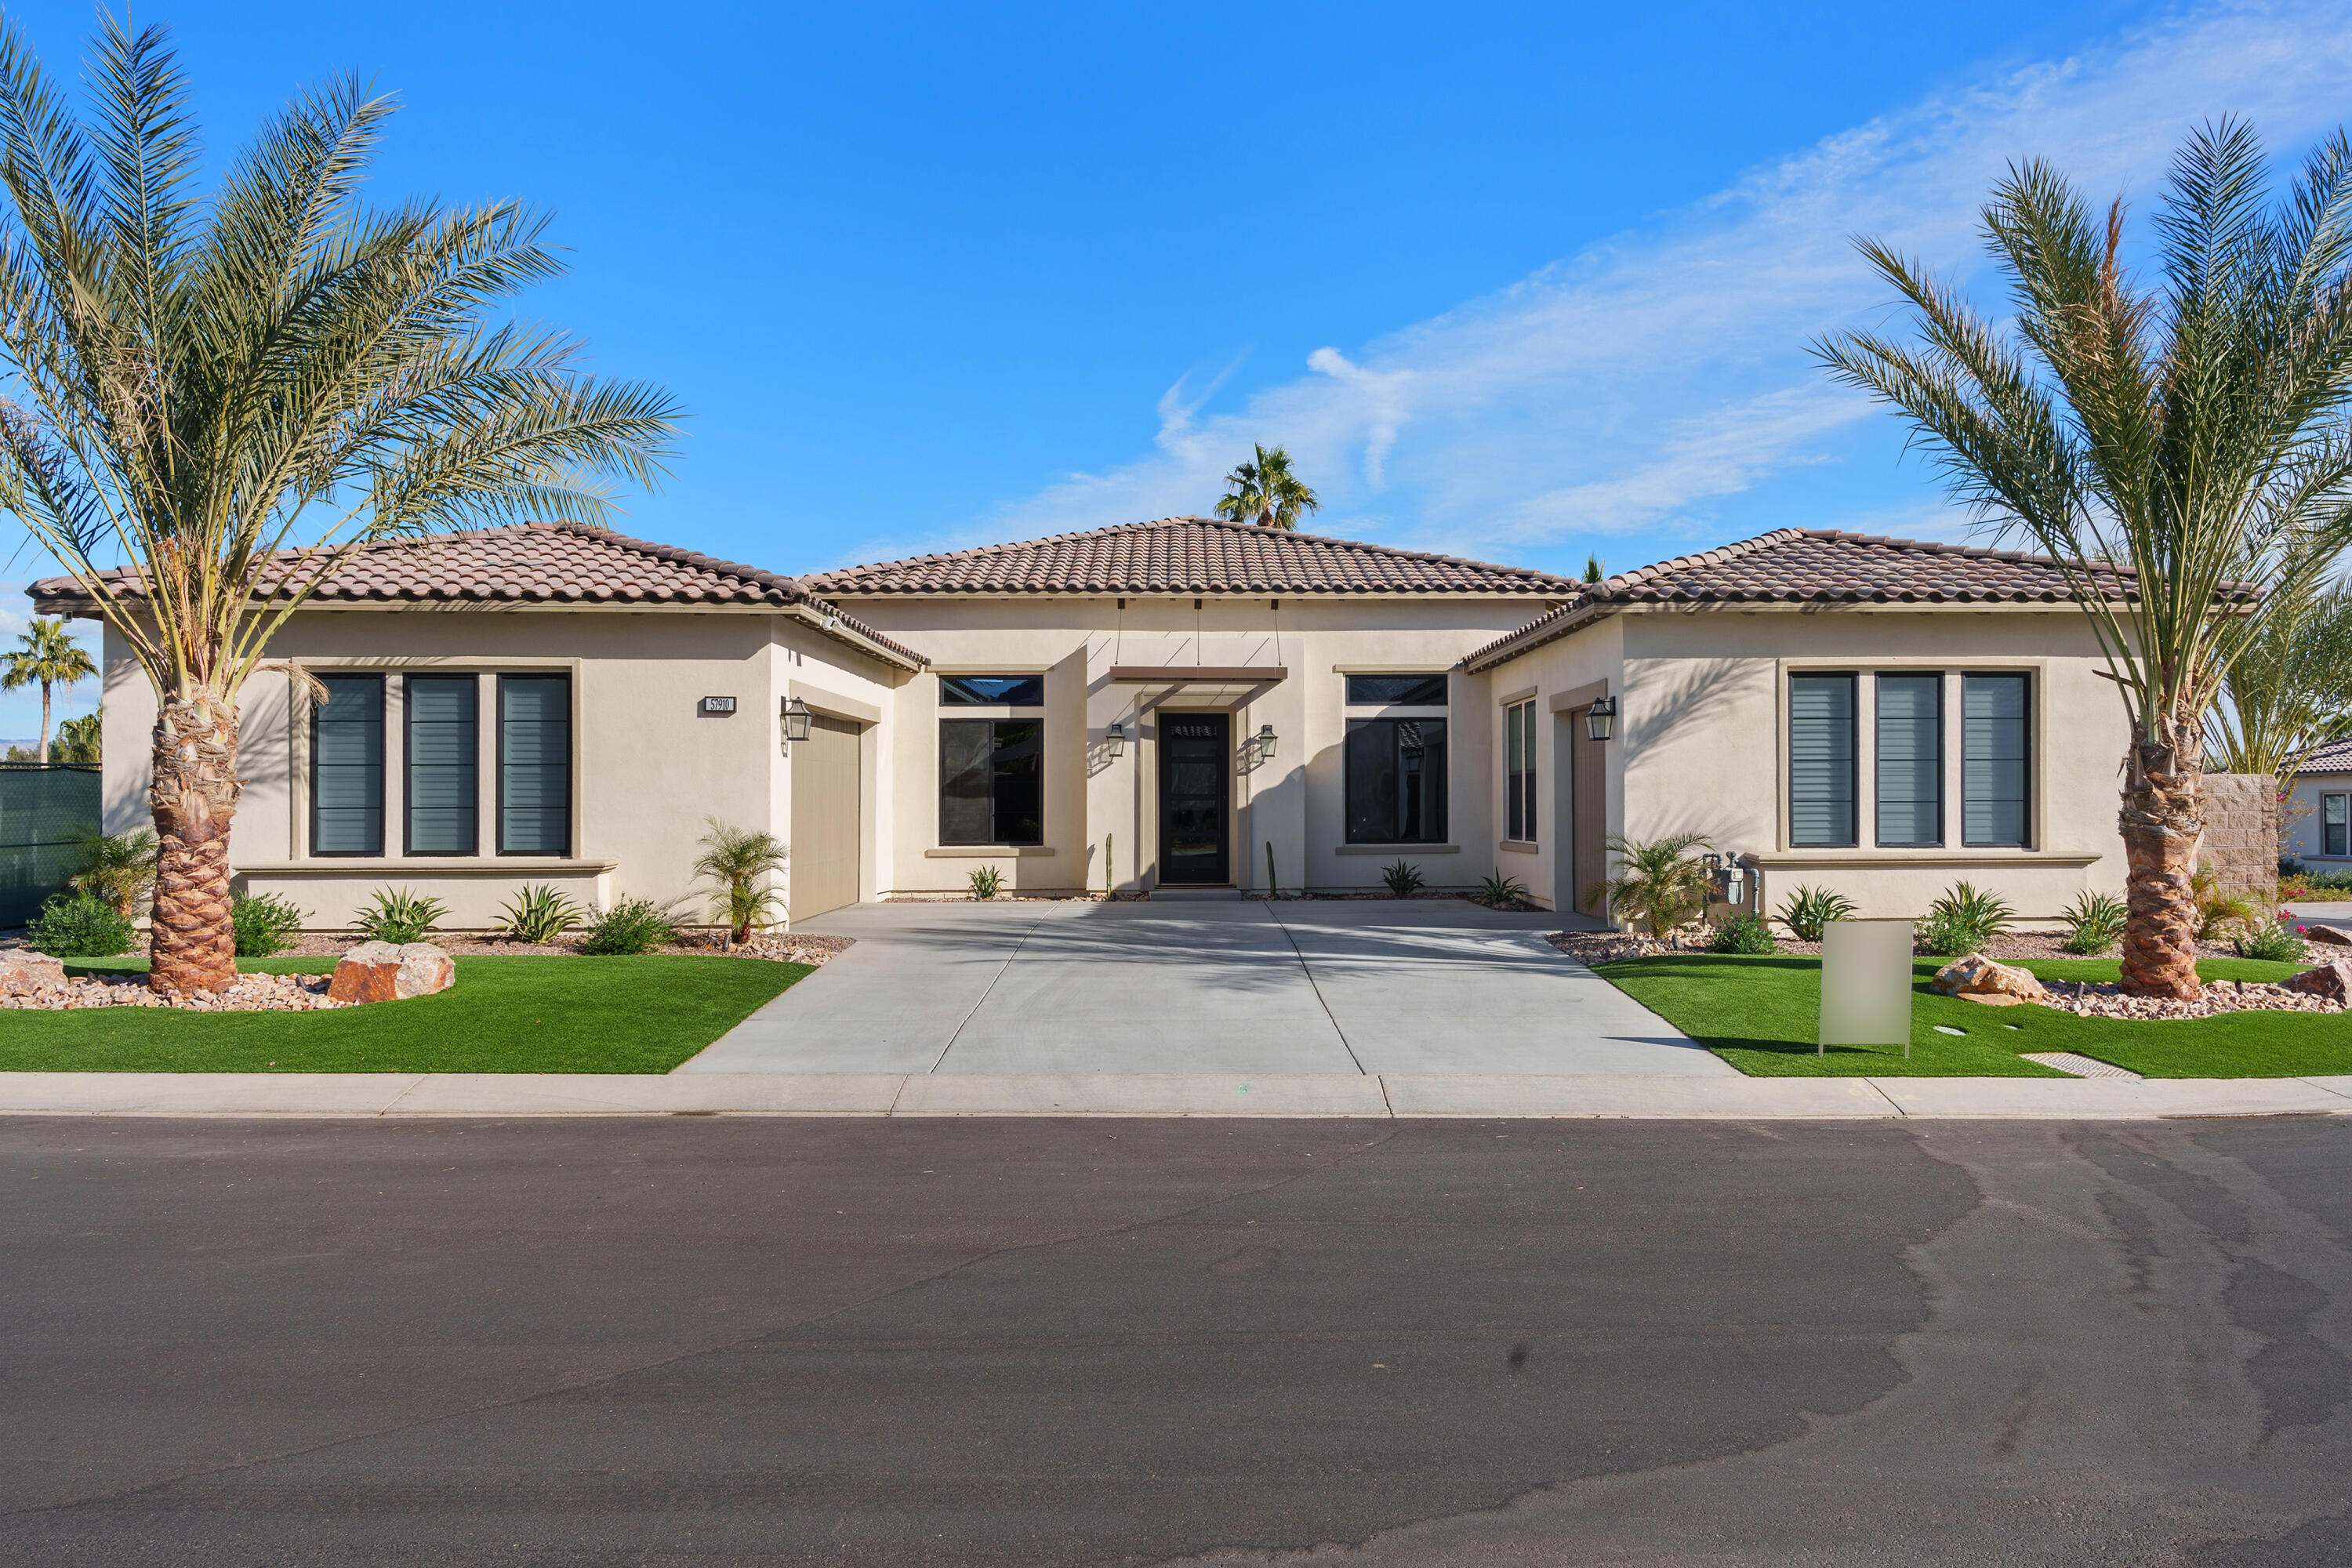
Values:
[(2335, 935), (385, 971), (24, 973), (1979, 979), (2332, 981)]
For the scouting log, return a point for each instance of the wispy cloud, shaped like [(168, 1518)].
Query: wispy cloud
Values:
[(1652, 384)]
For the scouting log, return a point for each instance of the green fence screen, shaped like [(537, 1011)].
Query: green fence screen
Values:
[(42, 811)]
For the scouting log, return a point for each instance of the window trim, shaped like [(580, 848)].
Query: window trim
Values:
[(1853, 677), (1878, 761), (2030, 801), (408, 766), (571, 763), (2345, 825), (383, 770), (1003, 715)]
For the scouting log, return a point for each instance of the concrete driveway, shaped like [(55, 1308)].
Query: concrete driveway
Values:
[(1420, 987)]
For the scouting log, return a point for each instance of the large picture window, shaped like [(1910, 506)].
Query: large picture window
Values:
[(992, 781), (347, 767), (2336, 825), (1396, 781), (1822, 760), (534, 765), (1910, 760), (1994, 741), (1519, 772), (442, 724)]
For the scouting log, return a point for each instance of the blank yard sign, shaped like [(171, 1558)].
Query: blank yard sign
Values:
[(1867, 984)]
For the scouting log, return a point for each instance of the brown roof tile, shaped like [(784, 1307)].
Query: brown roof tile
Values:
[(535, 562), (1819, 565), (1190, 555), (2336, 757)]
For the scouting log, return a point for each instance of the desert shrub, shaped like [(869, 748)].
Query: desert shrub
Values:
[(537, 914), (2273, 941), (2218, 912), (1745, 932), (633, 925), (1402, 879), (739, 859), (118, 868), (1501, 890), (78, 925), (986, 882), (1807, 912), (265, 923), (2095, 921), (398, 915), (1963, 920), (1658, 881)]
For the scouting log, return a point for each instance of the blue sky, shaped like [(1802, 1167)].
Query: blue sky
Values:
[(1518, 283)]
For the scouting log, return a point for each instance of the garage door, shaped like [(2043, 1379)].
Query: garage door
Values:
[(826, 848)]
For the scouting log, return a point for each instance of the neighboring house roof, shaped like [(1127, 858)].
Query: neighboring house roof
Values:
[(1818, 567), (1192, 555), (536, 562), (2336, 757)]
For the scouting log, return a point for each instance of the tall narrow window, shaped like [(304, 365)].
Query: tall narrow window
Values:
[(1520, 770), (1993, 773), (442, 721), (992, 781), (534, 765), (347, 767), (2336, 825), (1910, 760), (1822, 760), (1396, 781)]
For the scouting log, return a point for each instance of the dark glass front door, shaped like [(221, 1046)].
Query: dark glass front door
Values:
[(1195, 782)]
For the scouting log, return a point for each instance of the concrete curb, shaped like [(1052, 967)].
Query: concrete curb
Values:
[(1386, 1096)]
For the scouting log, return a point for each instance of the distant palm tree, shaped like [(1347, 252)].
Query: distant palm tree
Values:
[(2193, 435), (1593, 572), (78, 741), (1267, 491), (2290, 689), (229, 392), (48, 656)]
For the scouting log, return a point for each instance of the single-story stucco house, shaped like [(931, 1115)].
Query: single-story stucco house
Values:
[(2319, 809), (1181, 703)]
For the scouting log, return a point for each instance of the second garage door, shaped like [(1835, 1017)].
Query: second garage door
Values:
[(826, 851)]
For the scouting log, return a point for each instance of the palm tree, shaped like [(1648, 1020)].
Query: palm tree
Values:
[(46, 654), (1593, 572), (78, 741), (1268, 491), (118, 868), (2291, 688), (228, 393), (739, 860), (1658, 881), (2178, 450)]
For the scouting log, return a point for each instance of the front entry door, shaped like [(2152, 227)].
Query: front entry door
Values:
[(1195, 798)]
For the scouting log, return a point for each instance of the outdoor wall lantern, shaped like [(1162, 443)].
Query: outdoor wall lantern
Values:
[(796, 719), (1601, 718), (1265, 742), (1115, 740)]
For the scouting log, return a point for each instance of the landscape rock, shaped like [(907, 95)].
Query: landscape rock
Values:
[(1979, 979), (384, 971), (24, 973), (2335, 935), (2332, 981)]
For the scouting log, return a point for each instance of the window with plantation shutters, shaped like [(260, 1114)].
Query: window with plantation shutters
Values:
[(441, 722), (1994, 739), (1910, 760), (347, 767), (1822, 760), (534, 765)]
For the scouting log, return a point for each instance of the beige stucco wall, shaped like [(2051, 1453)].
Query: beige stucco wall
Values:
[(2299, 830), (1702, 743), (647, 768)]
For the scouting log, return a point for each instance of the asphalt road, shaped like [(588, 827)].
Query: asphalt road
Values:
[(701, 1341)]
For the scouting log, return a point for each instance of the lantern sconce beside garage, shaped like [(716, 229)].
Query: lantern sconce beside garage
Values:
[(1265, 743), (1601, 718), (795, 720), (1115, 740)]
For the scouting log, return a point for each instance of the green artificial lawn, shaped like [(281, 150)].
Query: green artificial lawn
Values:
[(1761, 1015), (504, 1014)]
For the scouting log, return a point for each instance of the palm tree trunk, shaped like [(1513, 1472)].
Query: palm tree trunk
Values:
[(193, 945), (44, 723), (2162, 821)]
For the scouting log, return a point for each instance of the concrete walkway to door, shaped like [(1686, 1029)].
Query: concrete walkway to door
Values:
[(1316, 987)]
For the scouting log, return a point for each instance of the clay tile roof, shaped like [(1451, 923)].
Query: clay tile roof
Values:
[(534, 562), (1190, 555), (2336, 757), (1823, 565)]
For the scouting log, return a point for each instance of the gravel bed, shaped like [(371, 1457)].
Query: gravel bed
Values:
[(251, 993), (778, 947), (2107, 1001)]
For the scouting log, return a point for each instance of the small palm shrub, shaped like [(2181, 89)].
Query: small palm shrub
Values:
[(986, 882), (2275, 942), (265, 923), (1658, 883), (397, 915), (79, 925), (537, 914), (117, 867), (2217, 912), (1807, 912), (1745, 932), (1501, 890), (633, 925), (1963, 920), (2095, 922), (1403, 879), (739, 859)]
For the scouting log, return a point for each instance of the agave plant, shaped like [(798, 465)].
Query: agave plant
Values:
[(1807, 912), (538, 914), (2094, 921), (399, 915), (1402, 878), (1499, 890), (1963, 920), (1659, 882), (986, 882)]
